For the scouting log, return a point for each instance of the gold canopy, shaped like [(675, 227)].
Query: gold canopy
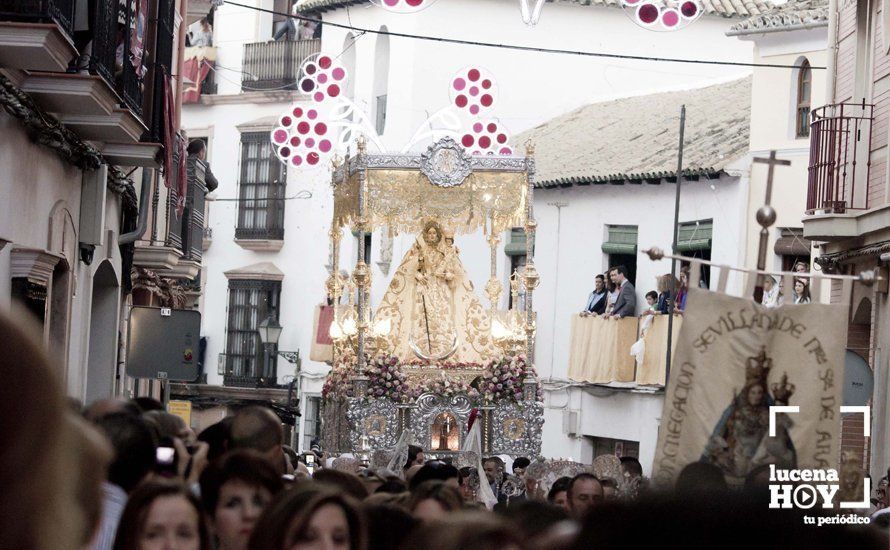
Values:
[(495, 192)]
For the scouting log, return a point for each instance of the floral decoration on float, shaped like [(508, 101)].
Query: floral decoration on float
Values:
[(497, 381)]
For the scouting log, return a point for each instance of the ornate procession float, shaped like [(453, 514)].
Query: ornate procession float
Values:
[(431, 356)]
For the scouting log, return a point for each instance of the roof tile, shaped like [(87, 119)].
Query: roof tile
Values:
[(635, 138)]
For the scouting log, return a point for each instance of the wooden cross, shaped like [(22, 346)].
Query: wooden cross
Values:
[(766, 216)]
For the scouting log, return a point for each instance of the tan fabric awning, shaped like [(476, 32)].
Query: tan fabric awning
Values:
[(793, 246), (600, 351)]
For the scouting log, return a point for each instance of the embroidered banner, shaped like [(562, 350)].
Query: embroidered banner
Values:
[(735, 359)]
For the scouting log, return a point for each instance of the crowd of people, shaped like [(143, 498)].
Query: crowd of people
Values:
[(124, 474), (614, 297)]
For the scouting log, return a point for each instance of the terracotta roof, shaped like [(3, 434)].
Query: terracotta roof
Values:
[(795, 14), (726, 8), (634, 140)]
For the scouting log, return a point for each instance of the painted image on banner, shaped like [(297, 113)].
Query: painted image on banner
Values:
[(734, 360)]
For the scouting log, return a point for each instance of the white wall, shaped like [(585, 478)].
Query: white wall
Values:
[(302, 258), (773, 112), (29, 194), (534, 87)]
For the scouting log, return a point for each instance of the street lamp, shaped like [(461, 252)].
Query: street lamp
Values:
[(269, 331)]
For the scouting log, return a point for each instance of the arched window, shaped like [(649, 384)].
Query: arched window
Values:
[(381, 80), (804, 87)]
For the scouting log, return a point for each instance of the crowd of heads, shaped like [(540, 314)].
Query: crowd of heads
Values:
[(124, 474)]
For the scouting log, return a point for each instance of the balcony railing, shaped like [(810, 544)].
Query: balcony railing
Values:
[(247, 372), (275, 65), (42, 11), (186, 232), (840, 147)]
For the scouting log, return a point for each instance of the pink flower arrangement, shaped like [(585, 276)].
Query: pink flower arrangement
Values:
[(499, 380), (386, 379)]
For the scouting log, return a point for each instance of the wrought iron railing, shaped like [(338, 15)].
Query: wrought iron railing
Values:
[(240, 372), (193, 227), (162, 67), (261, 211), (176, 222), (275, 65), (103, 27), (840, 160), (43, 11)]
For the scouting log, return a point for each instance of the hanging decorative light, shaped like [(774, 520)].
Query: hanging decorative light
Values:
[(662, 15)]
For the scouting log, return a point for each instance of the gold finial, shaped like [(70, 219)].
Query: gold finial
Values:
[(529, 148), (361, 144), (336, 161)]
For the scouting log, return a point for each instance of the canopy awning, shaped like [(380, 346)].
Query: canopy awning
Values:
[(490, 192)]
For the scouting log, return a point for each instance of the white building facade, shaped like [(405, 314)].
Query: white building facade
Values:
[(399, 82)]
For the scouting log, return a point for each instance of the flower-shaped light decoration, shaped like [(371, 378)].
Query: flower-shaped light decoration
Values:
[(301, 137), (486, 136), (323, 77), (662, 15), (473, 90), (404, 6), (308, 133)]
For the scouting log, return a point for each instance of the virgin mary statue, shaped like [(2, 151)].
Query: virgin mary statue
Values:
[(433, 311)]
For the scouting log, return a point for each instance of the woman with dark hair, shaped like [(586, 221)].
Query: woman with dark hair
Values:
[(415, 456), (310, 517), (235, 491), (801, 292), (434, 500), (162, 515), (346, 482)]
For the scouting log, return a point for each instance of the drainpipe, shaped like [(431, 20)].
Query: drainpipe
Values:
[(831, 50), (144, 197)]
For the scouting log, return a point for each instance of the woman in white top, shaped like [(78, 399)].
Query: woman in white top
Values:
[(772, 296), (614, 290)]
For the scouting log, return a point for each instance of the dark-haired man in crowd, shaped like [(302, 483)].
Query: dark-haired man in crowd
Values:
[(134, 458), (584, 492), (626, 304), (598, 299), (258, 428)]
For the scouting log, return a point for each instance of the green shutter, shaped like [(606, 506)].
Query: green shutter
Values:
[(516, 246), (695, 236), (622, 239)]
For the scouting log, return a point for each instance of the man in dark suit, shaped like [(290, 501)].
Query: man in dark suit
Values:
[(596, 302), (626, 304)]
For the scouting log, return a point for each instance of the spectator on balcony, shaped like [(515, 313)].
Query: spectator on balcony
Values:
[(612, 295), (651, 304), (626, 303), (198, 148), (299, 29), (200, 34), (801, 292), (772, 295), (598, 299), (666, 285), (680, 305), (801, 267)]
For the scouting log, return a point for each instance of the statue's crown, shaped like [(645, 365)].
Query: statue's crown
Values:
[(758, 367)]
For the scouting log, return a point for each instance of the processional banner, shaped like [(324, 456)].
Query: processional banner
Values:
[(734, 360)]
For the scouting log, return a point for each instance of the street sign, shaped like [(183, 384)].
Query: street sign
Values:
[(182, 409), (163, 343)]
